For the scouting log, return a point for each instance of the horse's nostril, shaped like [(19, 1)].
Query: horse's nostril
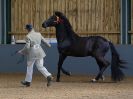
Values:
[(43, 25)]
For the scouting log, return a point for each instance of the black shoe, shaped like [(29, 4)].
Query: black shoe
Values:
[(27, 84), (49, 79)]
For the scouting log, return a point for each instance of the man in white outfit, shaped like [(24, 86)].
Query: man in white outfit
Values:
[(35, 54)]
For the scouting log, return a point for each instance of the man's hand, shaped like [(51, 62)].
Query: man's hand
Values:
[(49, 45), (20, 52)]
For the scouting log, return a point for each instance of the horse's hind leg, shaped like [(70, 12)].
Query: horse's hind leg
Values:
[(103, 64), (100, 68)]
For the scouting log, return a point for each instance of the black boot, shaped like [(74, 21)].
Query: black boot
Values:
[(27, 84), (49, 79)]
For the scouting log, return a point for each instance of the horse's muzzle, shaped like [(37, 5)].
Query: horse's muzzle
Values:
[(44, 25)]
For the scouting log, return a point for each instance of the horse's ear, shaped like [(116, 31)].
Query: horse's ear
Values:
[(59, 14)]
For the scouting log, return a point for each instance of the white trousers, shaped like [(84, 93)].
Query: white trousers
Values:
[(40, 67)]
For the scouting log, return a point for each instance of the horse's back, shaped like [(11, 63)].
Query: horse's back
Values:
[(87, 46), (98, 45)]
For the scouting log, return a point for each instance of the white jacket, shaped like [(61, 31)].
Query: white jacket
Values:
[(32, 48)]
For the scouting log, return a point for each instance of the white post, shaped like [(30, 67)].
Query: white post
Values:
[(13, 39)]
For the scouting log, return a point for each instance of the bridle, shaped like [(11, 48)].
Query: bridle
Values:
[(58, 20)]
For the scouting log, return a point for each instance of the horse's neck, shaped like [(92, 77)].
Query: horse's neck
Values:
[(63, 33), (60, 33)]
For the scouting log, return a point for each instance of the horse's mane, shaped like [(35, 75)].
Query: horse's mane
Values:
[(67, 24)]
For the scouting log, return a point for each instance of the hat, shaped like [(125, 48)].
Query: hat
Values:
[(28, 26)]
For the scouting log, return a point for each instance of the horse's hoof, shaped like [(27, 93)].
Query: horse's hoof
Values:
[(57, 80), (94, 80), (69, 74), (102, 78)]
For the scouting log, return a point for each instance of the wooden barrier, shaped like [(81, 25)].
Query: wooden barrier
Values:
[(84, 16), (112, 36)]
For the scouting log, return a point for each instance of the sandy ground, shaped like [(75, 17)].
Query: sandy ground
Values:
[(74, 87)]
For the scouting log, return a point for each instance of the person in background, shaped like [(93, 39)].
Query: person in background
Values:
[(35, 55)]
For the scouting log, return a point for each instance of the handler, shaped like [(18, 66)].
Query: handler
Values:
[(35, 54)]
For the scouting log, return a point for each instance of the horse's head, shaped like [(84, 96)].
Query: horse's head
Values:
[(53, 20)]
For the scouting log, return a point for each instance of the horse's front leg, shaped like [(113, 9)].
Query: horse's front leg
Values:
[(60, 62)]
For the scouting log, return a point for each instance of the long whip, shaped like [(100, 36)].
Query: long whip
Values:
[(21, 59), (49, 39)]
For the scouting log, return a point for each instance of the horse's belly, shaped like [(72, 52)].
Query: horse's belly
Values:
[(77, 53)]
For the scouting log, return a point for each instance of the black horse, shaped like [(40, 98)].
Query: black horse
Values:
[(70, 44)]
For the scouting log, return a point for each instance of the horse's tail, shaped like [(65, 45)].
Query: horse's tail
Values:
[(116, 65)]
